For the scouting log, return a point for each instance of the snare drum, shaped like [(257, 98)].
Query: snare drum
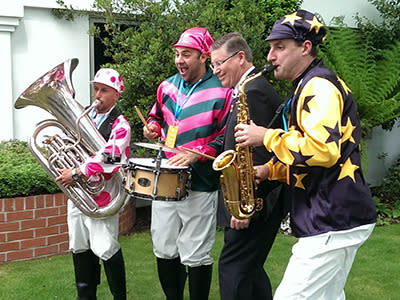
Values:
[(147, 181)]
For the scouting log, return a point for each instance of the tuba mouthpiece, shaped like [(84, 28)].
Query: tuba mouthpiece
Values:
[(95, 103)]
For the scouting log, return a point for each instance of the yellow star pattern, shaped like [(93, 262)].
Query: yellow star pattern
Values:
[(347, 132), (315, 24), (291, 18), (299, 178), (344, 85), (348, 169)]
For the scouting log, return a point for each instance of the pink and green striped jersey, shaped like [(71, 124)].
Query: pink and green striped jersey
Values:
[(201, 121)]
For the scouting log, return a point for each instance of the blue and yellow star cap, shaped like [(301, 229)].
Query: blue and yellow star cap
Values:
[(300, 25)]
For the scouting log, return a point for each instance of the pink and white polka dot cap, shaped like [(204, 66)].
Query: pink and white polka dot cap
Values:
[(109, 77)]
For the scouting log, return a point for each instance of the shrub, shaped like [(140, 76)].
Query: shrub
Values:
[(20, 173), (387, 195), (389, 190)]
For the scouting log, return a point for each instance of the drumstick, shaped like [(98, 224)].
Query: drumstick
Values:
[(142, 118), (198, 153), (168, 149)]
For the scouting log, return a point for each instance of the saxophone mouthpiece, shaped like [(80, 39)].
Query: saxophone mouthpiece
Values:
[(268, 69)]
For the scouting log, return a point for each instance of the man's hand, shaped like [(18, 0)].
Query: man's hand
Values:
[(239, 224), (249, 135), (183, 159), (150, 131), (66, 177), (262, 172)]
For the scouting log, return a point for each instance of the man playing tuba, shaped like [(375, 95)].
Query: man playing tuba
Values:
[(94, 238)]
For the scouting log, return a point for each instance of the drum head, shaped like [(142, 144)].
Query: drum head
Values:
[(151, 163)]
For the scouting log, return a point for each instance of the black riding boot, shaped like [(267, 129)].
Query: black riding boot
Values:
[(87, 274), (172, 275), (199, 282), (115, 272)]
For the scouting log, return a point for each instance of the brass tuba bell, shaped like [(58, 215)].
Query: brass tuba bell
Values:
[(79, 139)]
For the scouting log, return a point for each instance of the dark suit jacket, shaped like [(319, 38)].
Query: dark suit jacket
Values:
[(262, 101), (106, 126)]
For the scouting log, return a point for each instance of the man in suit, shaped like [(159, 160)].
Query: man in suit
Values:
[(247, 242)]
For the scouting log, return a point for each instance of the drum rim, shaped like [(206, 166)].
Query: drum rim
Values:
[(158, 198)]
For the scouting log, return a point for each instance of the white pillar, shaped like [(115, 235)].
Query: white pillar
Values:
[(9, 20)]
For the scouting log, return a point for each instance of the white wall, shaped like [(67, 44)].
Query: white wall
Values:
[(10, 13), (39, 43), (348, 8), (382, 142), (76, 4)]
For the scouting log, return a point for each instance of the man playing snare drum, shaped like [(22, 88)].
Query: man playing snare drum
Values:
[(190, 111)]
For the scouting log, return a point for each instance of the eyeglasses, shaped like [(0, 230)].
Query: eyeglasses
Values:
[(218, 64)]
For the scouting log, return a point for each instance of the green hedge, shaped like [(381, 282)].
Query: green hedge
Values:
[(20, 173)]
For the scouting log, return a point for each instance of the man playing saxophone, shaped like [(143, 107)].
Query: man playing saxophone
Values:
[(318, 155), (247, 240), (94, 238)]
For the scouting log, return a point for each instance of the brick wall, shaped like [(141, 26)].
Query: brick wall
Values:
[(36, 226), (127, 217)]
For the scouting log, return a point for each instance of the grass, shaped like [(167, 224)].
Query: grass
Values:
[(375, 273)]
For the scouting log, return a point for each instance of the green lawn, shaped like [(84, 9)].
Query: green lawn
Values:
[(375, 273)]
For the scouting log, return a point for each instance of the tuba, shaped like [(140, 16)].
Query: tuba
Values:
[(76, 139), (238, 175)]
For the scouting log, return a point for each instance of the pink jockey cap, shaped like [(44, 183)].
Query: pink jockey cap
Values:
[(196, 38)]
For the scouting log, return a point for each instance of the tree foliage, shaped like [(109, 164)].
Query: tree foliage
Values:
[(387, 29), (383, 32), (374, 78), (382, 100), (141, 34)]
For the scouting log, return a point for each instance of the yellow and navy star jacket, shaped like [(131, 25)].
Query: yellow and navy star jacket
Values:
[(319, 156)]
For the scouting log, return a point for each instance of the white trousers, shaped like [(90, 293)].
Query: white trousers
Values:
[(319, 265), (99, 235), (185, 228)]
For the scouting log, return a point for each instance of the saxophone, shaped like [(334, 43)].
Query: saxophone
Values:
[(238, 175)]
